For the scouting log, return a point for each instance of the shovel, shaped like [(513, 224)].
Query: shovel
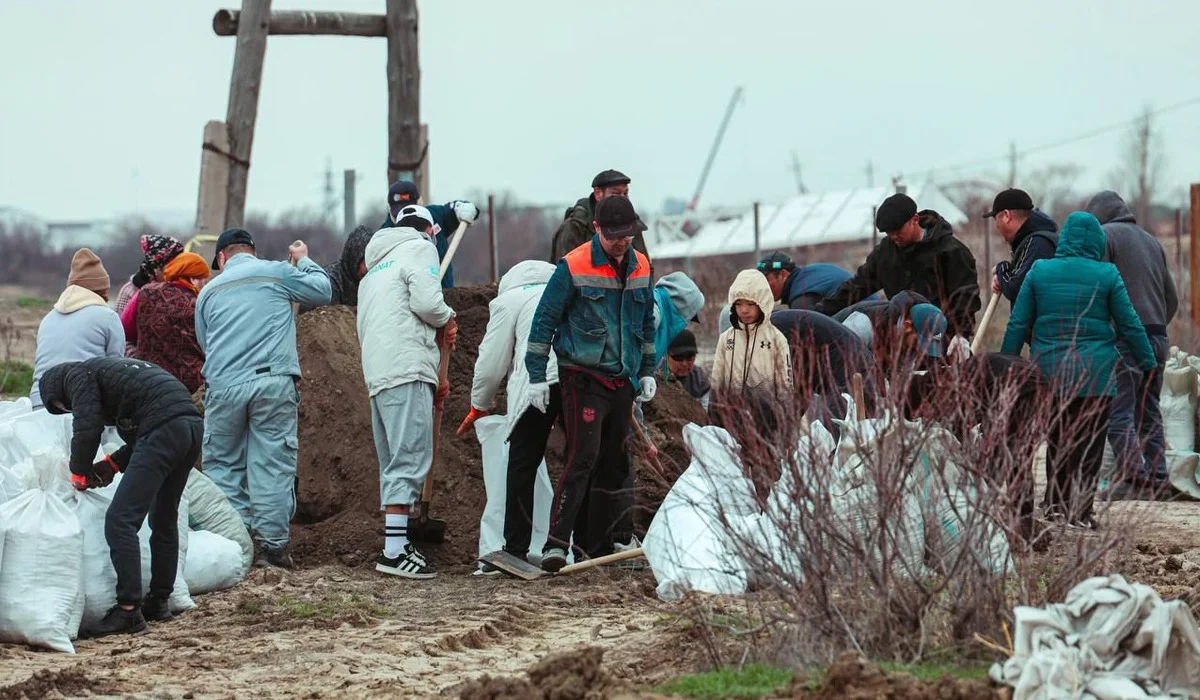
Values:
[(977, 343), (424, 528), (516, 566)]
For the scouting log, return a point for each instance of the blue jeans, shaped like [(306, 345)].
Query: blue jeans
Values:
[(1135, 429)]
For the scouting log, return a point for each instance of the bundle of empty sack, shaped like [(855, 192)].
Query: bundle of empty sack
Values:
[(881, 481), (56, 577)]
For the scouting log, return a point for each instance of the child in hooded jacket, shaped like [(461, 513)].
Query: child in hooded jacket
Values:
[(753, 354)]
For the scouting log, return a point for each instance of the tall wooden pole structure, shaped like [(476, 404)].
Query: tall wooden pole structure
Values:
[(243, 101), (406, 148)]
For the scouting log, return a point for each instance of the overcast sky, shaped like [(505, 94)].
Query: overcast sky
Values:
[(104, 103)]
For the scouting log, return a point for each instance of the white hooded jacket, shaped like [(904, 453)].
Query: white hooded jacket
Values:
[(749, 357), (502, 351), (400, 308)]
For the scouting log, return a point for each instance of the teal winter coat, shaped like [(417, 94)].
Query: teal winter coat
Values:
[(1071, 310)]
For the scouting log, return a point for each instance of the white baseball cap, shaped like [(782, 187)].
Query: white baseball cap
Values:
[(418, 211)]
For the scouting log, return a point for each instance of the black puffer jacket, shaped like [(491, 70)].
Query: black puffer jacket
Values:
[(133, 395), (939, 268), (343, 274)]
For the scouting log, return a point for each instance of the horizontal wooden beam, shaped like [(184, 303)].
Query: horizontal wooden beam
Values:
[(225, 23)]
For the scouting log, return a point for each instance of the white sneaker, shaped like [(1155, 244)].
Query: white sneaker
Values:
[(634, 543)]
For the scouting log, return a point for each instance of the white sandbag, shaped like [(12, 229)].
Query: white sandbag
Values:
[(1183, 469), (11, 485), (491, 431), (12, 409), (179, 600), (1178, 406), (99, 576), (210, 510), (40, 576), (213, 563)]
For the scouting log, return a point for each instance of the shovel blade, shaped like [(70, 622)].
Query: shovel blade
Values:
[(513, 565), (429, 530)]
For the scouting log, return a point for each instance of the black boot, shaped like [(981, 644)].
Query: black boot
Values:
[(278, 557), (155, 609), (119, 621)]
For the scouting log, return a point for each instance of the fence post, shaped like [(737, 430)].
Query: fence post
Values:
[(348, 204), (874, 228), (1194, 244), (757, 248), (492, 238)]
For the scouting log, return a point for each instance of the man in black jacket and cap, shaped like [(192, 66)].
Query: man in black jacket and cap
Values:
[(825, 355), (154, 414), (1032, 235), (348, 271), (576, 228), (920, 254)]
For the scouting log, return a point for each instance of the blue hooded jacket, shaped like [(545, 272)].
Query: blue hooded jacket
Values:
[(677, 300)]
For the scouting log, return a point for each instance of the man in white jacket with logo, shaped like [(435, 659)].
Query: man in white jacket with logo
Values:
[(502, 353), (403, 320)]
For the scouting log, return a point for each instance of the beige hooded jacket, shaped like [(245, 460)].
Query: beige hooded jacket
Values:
[(750, 357)]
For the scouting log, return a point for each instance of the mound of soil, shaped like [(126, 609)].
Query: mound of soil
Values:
[(337, 515), (852, 678), (574, 675), (69, 682)]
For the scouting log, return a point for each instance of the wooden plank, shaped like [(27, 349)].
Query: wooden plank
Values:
[(405, 147), (1194, 244), (225, 23), (214, 180), (243, 101)]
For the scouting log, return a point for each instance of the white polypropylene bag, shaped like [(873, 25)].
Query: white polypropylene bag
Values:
[(491, 432), (99, 576), (179, 600), (213, 563), (208, 509), (1178, 405), (40, 576), (1183, 469)]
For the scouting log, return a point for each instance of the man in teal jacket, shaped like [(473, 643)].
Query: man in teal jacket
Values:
[(1071, 310)]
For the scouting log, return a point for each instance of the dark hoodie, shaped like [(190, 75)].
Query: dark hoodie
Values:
[(343, 274), (1140, 259), (940, 268), (1036, 240), (576, 229), (133, 395)]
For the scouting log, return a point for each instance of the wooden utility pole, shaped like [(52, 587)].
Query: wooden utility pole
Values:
[(492, 238), (243, 101), (1194, 243), (406, 148), (757, 237), (214, 180), (349, 215), (227, 23), (1012, 164)]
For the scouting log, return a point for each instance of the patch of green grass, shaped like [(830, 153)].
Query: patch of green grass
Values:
[(752, 681), (16, 378), (34, 303), (307, 609), (931, 671), (249, 606)]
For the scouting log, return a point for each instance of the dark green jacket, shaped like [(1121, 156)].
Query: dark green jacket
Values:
[(1071, 310), (576, 229), (939, 268)]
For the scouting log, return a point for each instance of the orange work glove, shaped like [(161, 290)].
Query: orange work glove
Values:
[(474, 415)]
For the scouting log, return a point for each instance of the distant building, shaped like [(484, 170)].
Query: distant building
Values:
[(70, 235)]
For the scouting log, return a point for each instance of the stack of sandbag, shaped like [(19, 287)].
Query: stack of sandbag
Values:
[(1109, 639), (1178, 405), (210, 511)]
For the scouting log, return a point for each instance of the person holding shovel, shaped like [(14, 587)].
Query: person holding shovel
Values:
[(597, 314), (403, 324)]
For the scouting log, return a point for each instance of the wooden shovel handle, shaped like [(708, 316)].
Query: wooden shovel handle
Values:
[(981, 329), (601, 561)]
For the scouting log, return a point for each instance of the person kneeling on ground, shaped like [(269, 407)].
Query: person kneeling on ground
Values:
[(403, 320), (154, 414), (681, 368)]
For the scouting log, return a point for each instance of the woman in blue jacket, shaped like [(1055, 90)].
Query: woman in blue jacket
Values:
[(1070, 310)]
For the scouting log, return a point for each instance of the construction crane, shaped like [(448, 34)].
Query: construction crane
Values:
[(712, 153)]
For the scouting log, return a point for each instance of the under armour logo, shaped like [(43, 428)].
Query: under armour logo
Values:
[(765, 344)]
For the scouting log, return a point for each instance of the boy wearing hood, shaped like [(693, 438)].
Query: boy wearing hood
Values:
[(753, 354), (403, 322), (154, 414), (1072, 310), (501, 354), (1135, 429), (920, 254), (1032, 235), (80, 326)]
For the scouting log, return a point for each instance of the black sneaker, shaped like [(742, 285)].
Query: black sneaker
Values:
[(1083, 522), (410, 564), (119, 621), (277, 557), (554, 559), (486, 569), (155, 609)]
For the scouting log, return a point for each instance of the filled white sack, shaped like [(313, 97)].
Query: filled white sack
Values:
[(208, 509), (492, 434), (99, 576), (180, 599), (213, 563)]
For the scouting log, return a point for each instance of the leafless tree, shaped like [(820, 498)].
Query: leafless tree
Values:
[(1142, 160)]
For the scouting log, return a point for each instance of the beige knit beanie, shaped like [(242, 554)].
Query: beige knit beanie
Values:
[(88, 272)]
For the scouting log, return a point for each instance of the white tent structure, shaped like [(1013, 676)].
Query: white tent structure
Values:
[(806, 220)]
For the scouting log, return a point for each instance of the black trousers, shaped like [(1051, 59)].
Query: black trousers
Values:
[(1075, 452), (152, 485), (526, 450), (596, 414)]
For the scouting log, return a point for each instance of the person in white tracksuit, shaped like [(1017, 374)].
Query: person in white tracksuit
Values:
[(502, 353), (403, 321)]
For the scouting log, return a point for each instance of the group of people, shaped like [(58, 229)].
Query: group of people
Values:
[(584, 341)]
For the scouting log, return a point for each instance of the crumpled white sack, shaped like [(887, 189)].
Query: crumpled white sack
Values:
[(213, 563)]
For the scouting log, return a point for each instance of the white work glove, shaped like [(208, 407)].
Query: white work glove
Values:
[(465, 211), (539, 395), (649, 389), (959, 350)]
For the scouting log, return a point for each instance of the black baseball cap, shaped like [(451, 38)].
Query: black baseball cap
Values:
[(1010, 199), (683, 344), (775, 262), (895, 211), (401, 194), (228, 237), (617, 217), (608, 178)]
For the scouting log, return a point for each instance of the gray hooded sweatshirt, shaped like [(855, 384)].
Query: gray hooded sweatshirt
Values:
[(1140, 259)]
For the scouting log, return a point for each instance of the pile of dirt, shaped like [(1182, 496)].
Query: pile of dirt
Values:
[(574, 675), (337, 516), (68, 682), (853, 678)]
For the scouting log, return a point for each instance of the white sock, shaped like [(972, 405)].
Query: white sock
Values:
[(395, 534)]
